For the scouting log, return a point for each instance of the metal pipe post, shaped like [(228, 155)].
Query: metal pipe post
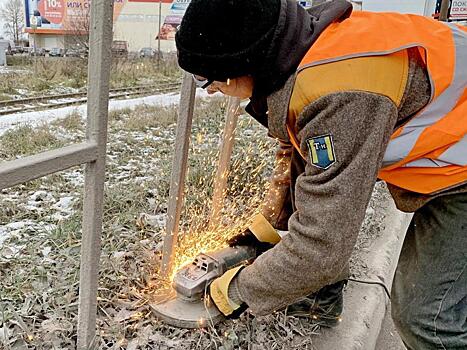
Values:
[(220, 182), (100, 40), (177, 182)]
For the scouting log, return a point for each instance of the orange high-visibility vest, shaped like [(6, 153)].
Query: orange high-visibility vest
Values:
[(429, 152)]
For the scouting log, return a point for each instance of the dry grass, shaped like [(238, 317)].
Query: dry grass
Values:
[(66, 73), (144, 117), (25, 140), (4, 97), (127, 72), (39, 261), (72, 122)]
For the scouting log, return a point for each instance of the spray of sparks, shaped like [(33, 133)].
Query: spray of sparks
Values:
[(247, 182)]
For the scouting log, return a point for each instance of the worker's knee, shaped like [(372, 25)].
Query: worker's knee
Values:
[(413, 326), (427, 324)]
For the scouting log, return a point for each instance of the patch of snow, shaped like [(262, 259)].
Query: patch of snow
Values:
[(36, 117), (22, 91), (46, 251), (64, 204), (158, 220), (4, 235), (58, 216), (11, 251), (19, 225), (75, 177), (5, 69), (41, 196)]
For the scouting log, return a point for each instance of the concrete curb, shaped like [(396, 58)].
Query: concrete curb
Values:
[(365, 305)]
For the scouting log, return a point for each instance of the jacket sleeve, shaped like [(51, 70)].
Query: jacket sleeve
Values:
[(330, 204), (277, 205)]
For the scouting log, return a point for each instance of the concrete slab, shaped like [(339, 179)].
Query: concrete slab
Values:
[(365, 305), (388, 338)]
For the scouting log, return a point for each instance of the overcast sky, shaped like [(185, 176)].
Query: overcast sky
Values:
[(2, 2)]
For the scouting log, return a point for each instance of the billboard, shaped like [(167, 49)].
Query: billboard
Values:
[(458, 10), (172, 22), (61, 15)]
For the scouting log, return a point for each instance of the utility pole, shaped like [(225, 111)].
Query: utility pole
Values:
[(444, 11)]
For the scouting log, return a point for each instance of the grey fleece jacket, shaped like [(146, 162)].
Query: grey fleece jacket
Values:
[(324, 209)]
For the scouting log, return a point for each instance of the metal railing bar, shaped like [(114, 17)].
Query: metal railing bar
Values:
[(29, 168), (179, 167)]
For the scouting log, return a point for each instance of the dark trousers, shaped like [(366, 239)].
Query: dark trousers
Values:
[(429, 293)]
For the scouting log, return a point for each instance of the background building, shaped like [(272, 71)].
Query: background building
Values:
[(64, 23)]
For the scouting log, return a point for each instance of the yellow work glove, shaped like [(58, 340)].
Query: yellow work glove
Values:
[(219, 292), (263, 230), (260, 235)]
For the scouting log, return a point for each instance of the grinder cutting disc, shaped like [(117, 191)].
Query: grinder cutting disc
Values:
[(187, 314), (186, 306)]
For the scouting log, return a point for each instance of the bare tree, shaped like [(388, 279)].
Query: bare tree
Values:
[(12, 14), (77, 26)]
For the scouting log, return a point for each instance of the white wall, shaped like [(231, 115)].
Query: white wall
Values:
[(138, 24), (3, 48), (46, 41), (419, 7)]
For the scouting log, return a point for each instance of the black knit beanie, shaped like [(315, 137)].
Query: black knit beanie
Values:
[(220, 39)]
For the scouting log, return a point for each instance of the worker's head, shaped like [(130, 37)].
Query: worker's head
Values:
[(226, 41)]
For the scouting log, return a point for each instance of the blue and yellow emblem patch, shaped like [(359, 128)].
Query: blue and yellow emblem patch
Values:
[(321, 150)]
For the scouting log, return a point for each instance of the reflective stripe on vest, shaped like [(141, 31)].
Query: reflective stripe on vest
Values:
[(429, 153), (400, 146)]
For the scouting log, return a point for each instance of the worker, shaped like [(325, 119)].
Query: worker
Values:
[(351, 97)]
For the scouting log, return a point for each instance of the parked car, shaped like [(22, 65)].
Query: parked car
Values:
[(72, 53), (146, 52), (149, 52), (83, 52), (120, 48), (38, 51), (56, 52)]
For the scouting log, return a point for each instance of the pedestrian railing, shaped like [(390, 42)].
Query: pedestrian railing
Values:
[(92, 153)]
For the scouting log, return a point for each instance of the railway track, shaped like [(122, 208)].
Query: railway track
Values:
[(69, 99)]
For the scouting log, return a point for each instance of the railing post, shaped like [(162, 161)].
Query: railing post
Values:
[(179, 166), (100, 38)]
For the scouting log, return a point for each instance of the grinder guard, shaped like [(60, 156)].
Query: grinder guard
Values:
[(189, 308)]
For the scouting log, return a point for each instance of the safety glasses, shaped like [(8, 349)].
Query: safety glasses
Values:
[(202, 83)]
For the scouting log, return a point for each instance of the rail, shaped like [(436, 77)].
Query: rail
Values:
[(56, 100)]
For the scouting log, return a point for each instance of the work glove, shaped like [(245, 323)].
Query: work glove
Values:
[(260, 234), (219, 292)]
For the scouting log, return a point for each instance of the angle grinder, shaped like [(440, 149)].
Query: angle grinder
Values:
[(190, 306)]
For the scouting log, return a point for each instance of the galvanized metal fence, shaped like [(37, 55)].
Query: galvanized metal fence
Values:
[(92, 153)]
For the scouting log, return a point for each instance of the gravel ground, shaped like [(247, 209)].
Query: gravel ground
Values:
[(40, 234)]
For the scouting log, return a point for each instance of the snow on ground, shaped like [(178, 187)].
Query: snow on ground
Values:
[(35, 117), (7, 69), (40, 238)]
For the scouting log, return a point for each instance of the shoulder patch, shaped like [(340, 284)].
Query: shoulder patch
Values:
[(321, 149)]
